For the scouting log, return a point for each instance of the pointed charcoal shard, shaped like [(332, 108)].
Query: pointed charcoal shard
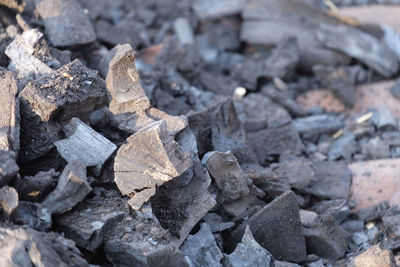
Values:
[(8, 201), (249, 253), (150, 158), (227, 174), (182, 202), (218, 128), (289, 243), (128, 101), (9, 113), (127, 95), (72, 188), (202, 249), (84, 144), (65, 22)]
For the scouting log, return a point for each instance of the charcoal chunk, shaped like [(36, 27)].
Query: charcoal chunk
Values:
[(325, 243), (332, 180), (373, 212), (23, 246), (84, 144), (271, 142), (9, 113), (227, 174), (89, 221), (360, 45), (35, 188), (182, 202), (141, 241), (128, 101), (202, 249), (289, 243), (343, 147), (50, 102), (249, 253), (8, 201), (257, 112), (8, 166), (72, 188), (218, 83), (184, 57), (65, 22), (375, 148), (317, 124), (216, 223), (392, 224), (124, 32), (33, 215), (386, 120), (340, 81), (150, 148), (284, 99), (24, 55), (219, 129), (183, 30), (299, 173), (213, 9)]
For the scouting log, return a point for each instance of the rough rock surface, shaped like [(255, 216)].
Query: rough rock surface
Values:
[(151, 148), (89, 221), (72, 187), (249, 253), (227, 174), (375, 256), (48, 103), (65, 22), (140, 241), (202, 249), (26, 247), (289, 243)]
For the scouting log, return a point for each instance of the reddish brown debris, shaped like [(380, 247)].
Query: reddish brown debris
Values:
[(375, 181)]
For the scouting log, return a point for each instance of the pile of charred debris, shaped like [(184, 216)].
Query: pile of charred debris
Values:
[(167, 133)]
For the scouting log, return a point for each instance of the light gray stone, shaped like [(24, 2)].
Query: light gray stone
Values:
[(202, 249), (249, 253)]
